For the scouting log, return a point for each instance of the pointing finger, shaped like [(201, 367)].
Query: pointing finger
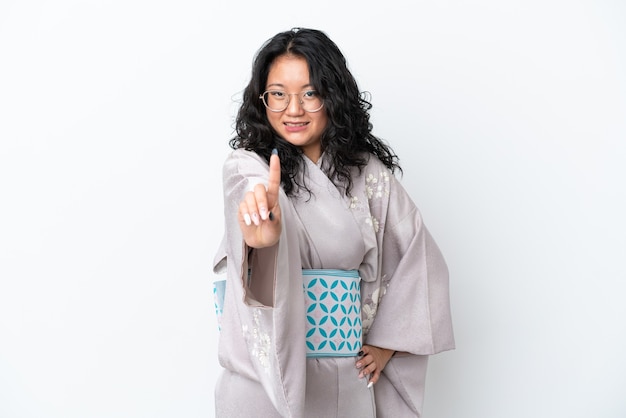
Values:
[(274, 180)]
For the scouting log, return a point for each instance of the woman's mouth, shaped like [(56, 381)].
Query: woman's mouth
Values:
[(295, 126)]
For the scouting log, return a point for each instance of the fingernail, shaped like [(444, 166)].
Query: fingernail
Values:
[(246, 219), (263, 213), (358, 365), (275, 151), (370, 384), (360, 353), (255, 218), (271, 216)]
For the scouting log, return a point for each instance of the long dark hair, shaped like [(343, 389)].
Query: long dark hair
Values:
[(347, 140)]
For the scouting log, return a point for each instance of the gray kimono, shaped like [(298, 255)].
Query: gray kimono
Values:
[(377, 230)]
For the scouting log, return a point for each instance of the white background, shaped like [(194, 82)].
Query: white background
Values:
[(509, 118)]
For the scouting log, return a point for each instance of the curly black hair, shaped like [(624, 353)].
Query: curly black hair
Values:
[(347, 139)]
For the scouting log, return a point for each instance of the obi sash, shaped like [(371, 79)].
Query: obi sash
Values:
[(219, 291), (332, 302)]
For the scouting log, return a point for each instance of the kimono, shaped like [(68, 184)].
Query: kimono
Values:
[(376, 229)]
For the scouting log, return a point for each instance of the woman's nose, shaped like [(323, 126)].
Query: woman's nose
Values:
[(294, 107)]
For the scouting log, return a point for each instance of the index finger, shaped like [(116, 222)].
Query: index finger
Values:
[(274, 179)]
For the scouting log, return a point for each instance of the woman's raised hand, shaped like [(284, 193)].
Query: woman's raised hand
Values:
[(259, 211)]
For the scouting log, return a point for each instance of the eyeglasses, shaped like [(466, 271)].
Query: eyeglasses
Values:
[(278, 100)]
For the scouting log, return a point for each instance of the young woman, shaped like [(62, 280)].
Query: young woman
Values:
[(336, 293)]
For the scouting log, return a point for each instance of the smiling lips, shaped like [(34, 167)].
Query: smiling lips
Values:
[(295, 126)]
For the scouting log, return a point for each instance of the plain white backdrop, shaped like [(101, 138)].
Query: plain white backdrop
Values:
[(510, 121)]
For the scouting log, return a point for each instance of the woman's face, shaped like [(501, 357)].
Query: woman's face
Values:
[(290, 74)]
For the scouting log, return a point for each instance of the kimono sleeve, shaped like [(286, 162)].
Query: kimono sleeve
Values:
[(264, 309), (414, 310)]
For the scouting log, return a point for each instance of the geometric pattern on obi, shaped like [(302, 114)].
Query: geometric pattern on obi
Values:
[(219, 290), (332, 301)]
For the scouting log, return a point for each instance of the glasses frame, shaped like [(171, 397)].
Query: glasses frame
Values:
[(262, 97)]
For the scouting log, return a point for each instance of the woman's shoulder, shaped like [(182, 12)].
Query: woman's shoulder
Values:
[(243, 154), (242, 159), (373, 167)]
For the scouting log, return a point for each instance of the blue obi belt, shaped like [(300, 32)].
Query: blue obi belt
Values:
[(332, 302)]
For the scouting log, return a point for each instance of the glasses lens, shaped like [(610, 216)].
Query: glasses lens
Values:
[(311, 101), (276, 100)]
